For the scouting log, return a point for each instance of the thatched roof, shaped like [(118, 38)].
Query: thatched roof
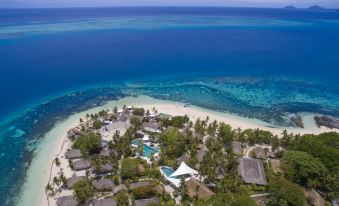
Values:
[(184, 158), (152, 126), (141, 168), (252, 171), (237, 148), (118, 188), (105, 202), (145, 202), (73, 154), (260, 153), (220, 172), (81, 165), (103, 185), (199, 190), (275, 164), (74, 179), (139, 184), (66, 201), (315, 198), (106, 168), (108, 152), (200, 154)]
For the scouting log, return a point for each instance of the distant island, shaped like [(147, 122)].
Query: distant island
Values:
[(317, 8), (290, 7)]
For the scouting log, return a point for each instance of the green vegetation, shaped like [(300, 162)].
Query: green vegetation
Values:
[(144, 192), (227, 199), (122, 198), (88, 144), (323, 146), (82, 191), (139, 111), (285, 193), (172, 146), (303, 168), (130, 169), (97, 124), (176, 121)]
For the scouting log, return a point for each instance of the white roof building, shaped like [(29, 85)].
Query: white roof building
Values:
[(184, 169), (145, 138)]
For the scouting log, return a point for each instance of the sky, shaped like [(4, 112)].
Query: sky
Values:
[(224, 3)]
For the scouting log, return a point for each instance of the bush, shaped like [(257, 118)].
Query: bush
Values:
[(143, 192), (303, 168), (129, 168), (139, 111), (88, 144), (97, 124), (83, 191), (285, 193)]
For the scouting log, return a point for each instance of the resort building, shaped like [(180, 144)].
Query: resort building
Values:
[(81, 165), (252, 171), (237, 149), (145, 202), (152, 126), (74, 179), (66, 201), (174, 177), (73, 154), (105, 202), (260, 153), (103, 185), (197, 190)]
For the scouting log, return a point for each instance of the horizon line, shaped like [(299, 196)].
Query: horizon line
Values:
[(157, 6)]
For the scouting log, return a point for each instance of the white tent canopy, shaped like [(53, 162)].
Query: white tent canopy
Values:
[(145, 138), (184, 170)]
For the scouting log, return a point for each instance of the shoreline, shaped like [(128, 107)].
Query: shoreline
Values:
[(42, 167)]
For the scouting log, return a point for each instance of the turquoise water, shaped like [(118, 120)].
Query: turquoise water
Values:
[(167, 170), (261, 63), (148, 151)]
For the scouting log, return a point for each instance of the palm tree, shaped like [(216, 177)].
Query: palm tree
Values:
[(49, 188), (57, 162), (56, 181), (62, 178)]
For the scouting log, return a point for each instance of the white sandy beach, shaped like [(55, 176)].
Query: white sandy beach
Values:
[(54, 143)]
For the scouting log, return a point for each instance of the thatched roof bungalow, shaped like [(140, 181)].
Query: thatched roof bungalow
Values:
[(119, 188), (145, 202), (81, 165), (220, 172), (66, 201), (74, 179), (105, 202), (260, 153), (237, 149), (198, 190), (151, 126), (73, 154), (105, 168), (252, 171), (315, 198), (103, 185), (140, 184), (183, 158)]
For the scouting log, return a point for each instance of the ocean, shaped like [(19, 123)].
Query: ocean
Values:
[(259, 63)]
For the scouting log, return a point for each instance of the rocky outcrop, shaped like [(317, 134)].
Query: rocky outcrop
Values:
[(327, 122), (297, 121)]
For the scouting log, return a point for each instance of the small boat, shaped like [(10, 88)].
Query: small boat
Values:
[(187, 104)]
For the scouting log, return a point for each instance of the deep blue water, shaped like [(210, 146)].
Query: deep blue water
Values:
[(287, 60)]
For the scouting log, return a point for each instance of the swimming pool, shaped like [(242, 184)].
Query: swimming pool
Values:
[(167, 171), (148, 151)]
